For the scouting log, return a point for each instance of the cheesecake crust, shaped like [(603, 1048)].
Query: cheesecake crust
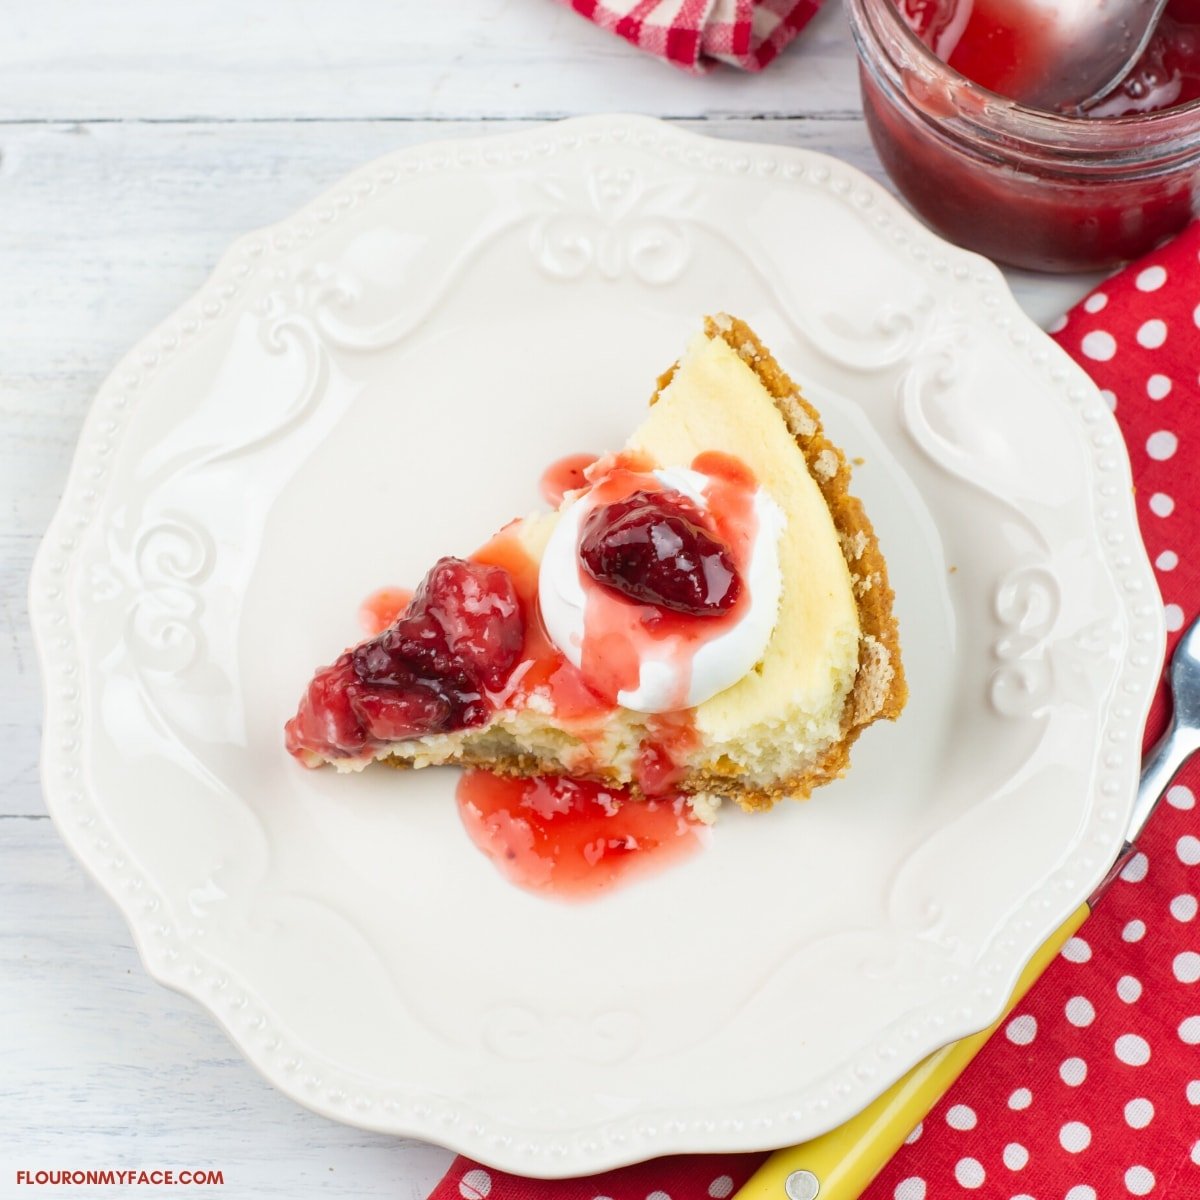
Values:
[(879, 691)]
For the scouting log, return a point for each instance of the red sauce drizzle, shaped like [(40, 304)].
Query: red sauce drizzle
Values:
[(573, 839), (671, 738), (565, 475), (541, 665), (382, 607)]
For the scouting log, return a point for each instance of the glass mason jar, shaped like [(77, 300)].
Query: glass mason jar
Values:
[(1031, 188)]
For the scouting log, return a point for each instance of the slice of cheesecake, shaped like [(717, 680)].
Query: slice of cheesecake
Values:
[(709, 614)]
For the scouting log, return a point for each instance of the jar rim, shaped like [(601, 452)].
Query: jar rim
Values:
[(994, 114)]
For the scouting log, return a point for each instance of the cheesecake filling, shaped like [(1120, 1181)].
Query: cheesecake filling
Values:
[(793, 703), (666, 661)]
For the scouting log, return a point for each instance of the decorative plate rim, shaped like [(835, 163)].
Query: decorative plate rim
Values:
[(335, 1093)]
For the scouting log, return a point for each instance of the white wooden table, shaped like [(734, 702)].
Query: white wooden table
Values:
[(136, 140)]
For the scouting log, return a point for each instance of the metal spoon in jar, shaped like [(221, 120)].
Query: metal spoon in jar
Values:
[(1089, 46)]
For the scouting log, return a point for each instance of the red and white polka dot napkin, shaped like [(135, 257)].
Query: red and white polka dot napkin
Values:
[(697, 34), (1093, 1090)]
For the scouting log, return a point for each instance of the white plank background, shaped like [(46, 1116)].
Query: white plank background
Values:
[(136, 140)]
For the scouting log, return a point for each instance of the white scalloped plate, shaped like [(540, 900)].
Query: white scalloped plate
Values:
[(379, 380)]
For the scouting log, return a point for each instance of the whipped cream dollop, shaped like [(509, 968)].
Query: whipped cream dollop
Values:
[(667, 670)]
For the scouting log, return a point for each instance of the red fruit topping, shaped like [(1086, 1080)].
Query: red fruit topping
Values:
[(477, 607), (653, 548), (429, 672), (392, 714), (326, 723), (461, 634)]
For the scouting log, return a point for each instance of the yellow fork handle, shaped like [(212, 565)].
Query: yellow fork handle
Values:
[(841, 1163)]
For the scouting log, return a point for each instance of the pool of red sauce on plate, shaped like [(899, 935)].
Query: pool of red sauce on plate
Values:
[(570, 838)]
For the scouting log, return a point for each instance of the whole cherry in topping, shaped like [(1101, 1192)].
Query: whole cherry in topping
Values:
[(415, 647), (654, 548), (461, 635), (392, 714), (429, 672), (477, 607), (464, 621)]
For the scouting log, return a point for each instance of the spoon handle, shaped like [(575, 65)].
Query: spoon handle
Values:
[(1161, 765)]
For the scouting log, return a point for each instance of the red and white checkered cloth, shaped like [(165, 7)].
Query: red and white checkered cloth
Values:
[(696, 34)]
